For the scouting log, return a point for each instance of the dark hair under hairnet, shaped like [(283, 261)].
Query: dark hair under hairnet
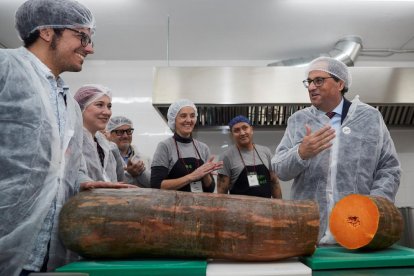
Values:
[(33, 15), (239, 119), (331, 66)]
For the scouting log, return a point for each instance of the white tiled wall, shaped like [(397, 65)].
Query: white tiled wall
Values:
[(131, 84)]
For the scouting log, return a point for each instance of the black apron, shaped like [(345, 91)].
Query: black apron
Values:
[(180, 170), (241, 186), (185, 166)]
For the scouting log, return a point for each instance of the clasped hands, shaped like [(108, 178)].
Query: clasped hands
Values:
[(135, 167), (208, 168)]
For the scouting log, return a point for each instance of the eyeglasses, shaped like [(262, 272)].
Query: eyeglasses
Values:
[(120, 132), (318, 82), (84, 38)]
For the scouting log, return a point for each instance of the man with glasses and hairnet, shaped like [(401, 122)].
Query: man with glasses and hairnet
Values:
[(137, 167), (41, 139), (336, 147)]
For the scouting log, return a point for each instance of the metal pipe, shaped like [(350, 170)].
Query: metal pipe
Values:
[(346, 50)]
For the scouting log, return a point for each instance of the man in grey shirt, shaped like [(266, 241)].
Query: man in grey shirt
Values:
[(246, 166)]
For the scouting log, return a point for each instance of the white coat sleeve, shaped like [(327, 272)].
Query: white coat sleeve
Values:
[(388, 172), (83, 172), (286, 162)]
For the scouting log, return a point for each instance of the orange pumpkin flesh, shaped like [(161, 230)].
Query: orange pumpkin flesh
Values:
[(359, 221)]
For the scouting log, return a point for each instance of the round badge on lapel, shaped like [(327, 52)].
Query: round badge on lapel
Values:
[(346, 130)]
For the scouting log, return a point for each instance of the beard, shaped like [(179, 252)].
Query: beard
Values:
[(124, 146), (53, 43), (61, 62)]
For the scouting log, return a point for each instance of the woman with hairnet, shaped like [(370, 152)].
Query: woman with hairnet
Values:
[(181, 162), (336, 147), (95, 103)]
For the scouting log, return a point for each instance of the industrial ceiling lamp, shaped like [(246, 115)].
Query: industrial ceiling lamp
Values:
[(346, 50)]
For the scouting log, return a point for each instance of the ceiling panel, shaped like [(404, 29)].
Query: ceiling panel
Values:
[(237, 29)]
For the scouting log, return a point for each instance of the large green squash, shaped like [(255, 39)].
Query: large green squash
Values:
[(131, 223)]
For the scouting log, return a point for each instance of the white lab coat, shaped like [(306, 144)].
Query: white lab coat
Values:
[(366, 159), (96, 172), (35, 167)]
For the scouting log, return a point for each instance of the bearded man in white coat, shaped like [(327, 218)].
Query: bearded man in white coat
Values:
[(41, 139)]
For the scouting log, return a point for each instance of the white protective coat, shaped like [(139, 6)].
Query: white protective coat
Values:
[(96, 172), (35, 168), (366, 159)]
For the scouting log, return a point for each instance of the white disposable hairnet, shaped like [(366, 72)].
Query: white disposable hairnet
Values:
[(175, 108), (33, 15), (89, 93), (331, 66), (118, 121)]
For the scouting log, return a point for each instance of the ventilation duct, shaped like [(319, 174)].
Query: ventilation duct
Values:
[(346, 50)]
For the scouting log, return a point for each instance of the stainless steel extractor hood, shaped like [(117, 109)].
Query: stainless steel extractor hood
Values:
[(269, 95)]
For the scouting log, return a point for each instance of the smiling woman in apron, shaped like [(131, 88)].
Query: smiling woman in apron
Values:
[(181, 162), (246, 166)]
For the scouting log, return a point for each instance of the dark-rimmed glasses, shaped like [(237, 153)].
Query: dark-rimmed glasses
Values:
[(120, 132), (318, 82), (84, 38)]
